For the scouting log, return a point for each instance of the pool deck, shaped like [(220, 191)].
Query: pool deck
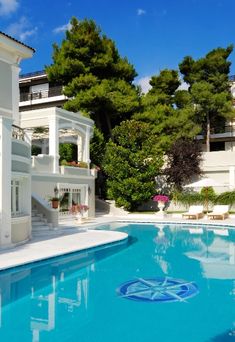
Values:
[(72, 237), (56, 244)]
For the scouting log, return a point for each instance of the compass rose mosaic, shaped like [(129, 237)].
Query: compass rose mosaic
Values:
[(158, 290)]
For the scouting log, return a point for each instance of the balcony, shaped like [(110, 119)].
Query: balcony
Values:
[(226, 132), (51, 92), (43, 164), (17, 133), (21, 151)]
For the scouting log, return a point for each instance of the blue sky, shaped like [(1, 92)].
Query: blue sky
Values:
[(152, 34)]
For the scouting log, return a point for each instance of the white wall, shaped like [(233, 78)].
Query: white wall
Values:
[(230, 146), (221, 167), (44, 185), (5, 86)]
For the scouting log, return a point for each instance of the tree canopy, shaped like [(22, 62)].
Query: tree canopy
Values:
[(183, 163), (168, 110), (131, 163), (97, 80), (99, 83)]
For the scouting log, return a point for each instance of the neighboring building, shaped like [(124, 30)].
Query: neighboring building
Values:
[(37, 92), (219, 163)]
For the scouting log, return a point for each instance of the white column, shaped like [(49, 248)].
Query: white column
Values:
[(15, 93), (5, 180), (231, 177), (54, 142), (79, 147), (86, 146), (28, 136), (44, 146)]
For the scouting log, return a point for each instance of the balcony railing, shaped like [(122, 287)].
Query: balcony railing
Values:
[(17, 133), (33, 74), (51, 92), (221, 130)]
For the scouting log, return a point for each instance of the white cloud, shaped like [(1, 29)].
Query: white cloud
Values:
[(8, 6), (141, 11), (144, 84), (21, 29), (62, 28), (183, 86)]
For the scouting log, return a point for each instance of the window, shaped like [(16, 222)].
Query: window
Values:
[(217, 146), (15, 197)]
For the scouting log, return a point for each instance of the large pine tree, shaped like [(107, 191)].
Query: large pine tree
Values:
[(168, 110), (97, 80)]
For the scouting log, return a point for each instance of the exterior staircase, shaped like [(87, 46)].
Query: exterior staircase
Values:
[(108, 208), (39, 224)]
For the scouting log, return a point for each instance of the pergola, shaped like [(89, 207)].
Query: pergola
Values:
[(59, 124)]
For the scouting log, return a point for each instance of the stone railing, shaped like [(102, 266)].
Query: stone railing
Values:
[(18, 133)]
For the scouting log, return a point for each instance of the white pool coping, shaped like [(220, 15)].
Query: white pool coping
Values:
[(73, 237), (51, 247)]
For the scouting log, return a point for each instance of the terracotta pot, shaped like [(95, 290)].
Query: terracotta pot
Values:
[(55, 204)]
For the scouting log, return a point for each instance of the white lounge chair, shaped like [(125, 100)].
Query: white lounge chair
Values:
[(194, 212), (219, 212)]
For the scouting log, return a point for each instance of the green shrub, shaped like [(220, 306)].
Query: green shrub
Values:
[(208, 193), (83, 164), (64, 162), (227, 197), (188, 198)]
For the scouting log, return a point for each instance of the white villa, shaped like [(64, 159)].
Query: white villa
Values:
[(29, 182)]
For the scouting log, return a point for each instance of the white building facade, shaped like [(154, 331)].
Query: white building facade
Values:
[(15, 187), (28, 182)]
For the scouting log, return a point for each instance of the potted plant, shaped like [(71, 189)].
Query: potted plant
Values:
[(78, 210), (162, 200), (55, 202)]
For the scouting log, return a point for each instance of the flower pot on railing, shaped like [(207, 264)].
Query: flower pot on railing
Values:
[(55, 202)]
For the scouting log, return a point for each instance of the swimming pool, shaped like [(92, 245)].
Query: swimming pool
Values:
[(103, 294)]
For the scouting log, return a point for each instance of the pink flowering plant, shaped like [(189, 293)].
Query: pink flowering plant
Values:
[(161, 198), (78, 208)]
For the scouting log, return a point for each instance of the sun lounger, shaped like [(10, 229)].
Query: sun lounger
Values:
[(194, 212), (219, 212)]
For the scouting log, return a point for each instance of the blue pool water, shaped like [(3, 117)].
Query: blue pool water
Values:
[(85, 296)]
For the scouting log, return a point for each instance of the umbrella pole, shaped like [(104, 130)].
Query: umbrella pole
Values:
[(206, 199)]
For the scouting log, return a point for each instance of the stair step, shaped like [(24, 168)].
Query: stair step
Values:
[(39, 224), (39, 219), (40, 228)]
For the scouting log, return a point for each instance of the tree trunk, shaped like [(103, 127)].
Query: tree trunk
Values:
[(108, 124), (208, 131)]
